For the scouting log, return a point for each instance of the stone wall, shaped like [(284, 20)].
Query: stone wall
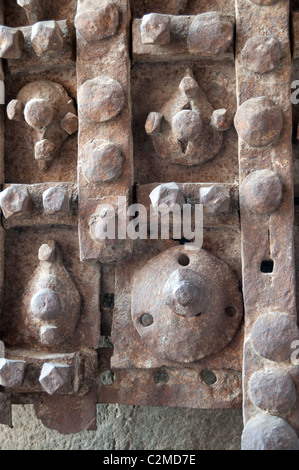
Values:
[(130, 428)]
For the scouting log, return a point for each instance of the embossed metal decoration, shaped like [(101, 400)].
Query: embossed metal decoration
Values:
[(145, 107)]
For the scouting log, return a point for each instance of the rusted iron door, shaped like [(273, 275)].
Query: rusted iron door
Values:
[(162, 104)]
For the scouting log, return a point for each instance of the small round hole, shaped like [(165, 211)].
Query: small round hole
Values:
[(108, 377), (184, 260), (230, 311), (146, 319), (161, 377), (208, 377)]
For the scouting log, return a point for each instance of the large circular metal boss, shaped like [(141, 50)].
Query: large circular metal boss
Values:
[(186, 304)]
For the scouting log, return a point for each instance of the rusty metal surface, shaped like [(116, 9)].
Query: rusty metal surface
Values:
[(130, 350), (185, 134), (157, 84), (41, 63), (86, 320), (50, 329), (46, 108), (295, 34), (209, 386), (185, 37), (63, 167), (267, 228), (5, 410), (22, 247), (104, 101), (69, 414), (217, 213), (194, 309), (43, 209), (153, 166), (174, 7), (137, 377)]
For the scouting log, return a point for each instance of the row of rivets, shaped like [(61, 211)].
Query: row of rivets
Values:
[(272, 390), (16, 201), (209, 33), (259, 123), (101, 99), (46, 39), (53, 377), (216, 199), (102, 104)]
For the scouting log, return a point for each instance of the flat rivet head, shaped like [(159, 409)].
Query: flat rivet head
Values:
[(46, 304), (262, 54), (272, 390), (272, 336), (210, 34), (102, 161), (101, 99), (97, 21), (186, 125), (266, 432), (147, 320), (38, 113), (262, 192), (259, 122)]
